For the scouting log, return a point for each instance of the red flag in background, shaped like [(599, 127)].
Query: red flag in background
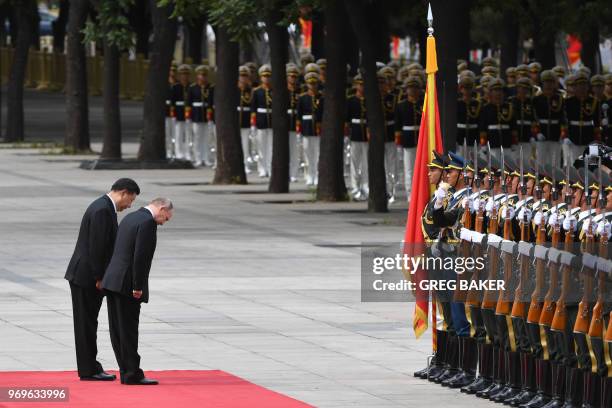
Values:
[(430, 138)]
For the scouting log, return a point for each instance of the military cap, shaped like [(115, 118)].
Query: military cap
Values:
[(184, 69), (546, 174), (551, 170), (522, 69), (468, 73), (306, 58), (580, 78), (173, 66), (485, 81), (570, 80), (322, 62), (415, 65), (576, 178), (585, 70), (489, 70), (404, 72), (395, 64), (598, 80), (524, 83), (438, 161), (244, 70), (311, 77), (251, 65), (380, 76), (202, 69), (358, 79), (265, 70), (292, 69), (462, 66), (559, 71), (412, 81), (387, 72), (455, 162), (466, 81), (496, 83), (608, 79), (311, 67), (535, 67), (461, 61), (510, 71), (548, 75), (482, 165), (489, 62)]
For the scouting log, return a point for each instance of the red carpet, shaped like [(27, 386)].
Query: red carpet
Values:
[(180, 389)]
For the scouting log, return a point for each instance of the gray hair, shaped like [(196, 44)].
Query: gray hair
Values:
[(162, 202)]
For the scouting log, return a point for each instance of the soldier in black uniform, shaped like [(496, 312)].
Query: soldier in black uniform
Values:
[(510, 89), (606, 112), (261, 121), (583, 122), (497, 121), (244, 114), (179, 100), (468, 114), (524, 116), (295, 142), (550, 112), (200, 103), (308, 124), (407, 124), (169, 123), (388, 101), (356, 127), (322, 63)]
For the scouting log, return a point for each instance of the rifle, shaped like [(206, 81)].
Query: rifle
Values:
[(504, 305), (519, 308), (489, 300), (596, 327), (466, 240), (583, 319), (548, 309), (559, 320), (535, 308)]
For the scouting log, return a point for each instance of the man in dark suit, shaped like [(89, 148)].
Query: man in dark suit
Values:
[(91, 256), (126, 282)]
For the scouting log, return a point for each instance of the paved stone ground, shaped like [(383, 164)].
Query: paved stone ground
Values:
[(263, 286)]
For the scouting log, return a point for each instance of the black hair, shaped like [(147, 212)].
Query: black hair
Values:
[(126, 184)]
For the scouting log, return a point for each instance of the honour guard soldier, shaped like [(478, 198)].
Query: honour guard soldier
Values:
[(534, 73), (253, 70), (169, 123), (356, 128), (201, 110), (510, 89), (388, 100), (322, 63), (522, 71), (179, 99), (497, 125), (560, 74), (308, 124), (482, 90), (261, 121), (583, 122), (407, 123), (550, 112), (294, 142), (524, 115), (244, 114), (468, 113)]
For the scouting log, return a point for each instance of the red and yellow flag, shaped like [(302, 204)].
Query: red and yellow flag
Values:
[(430, 138)]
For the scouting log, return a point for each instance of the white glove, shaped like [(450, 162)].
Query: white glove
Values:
[(440, 195), (532, 139), (538, 218), (604, 228), (475, 204), (490, 206), (586, 226), (555, 218), (466, 203), (604, 122), (507, 212), (566, 141), (569, 223), (524, 214), (253, 129), (541, 137)]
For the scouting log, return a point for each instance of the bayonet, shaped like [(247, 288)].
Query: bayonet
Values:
[(522, 176), (601, 200), (476, 178)]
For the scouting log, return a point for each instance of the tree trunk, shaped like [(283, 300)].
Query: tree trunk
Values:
[(446, 15), (318, 35), (15, 118), (462, 26), (279, 54), (590, 48), (331, 185), (77, 109), (230, 162), (246, 51), (59, 27), (152, 146), (195, 30), (377, 201), (111, 148), (380, 30), (509, 42), (140, 19)]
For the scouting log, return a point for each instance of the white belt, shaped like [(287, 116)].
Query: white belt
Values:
[(168, 101), (291, 111), (581, 123), (179, 103), (358, 121), (467, 126), (407, 128), (243, 109), (549, 121), (263, 110), (390, 122), (523, 122), (306, 117), (498, 127), (198, 104)]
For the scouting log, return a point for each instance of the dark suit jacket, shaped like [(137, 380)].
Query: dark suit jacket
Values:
[(131, 262), (95, 243)]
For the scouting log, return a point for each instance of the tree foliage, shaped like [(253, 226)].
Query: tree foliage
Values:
[(111, 25)]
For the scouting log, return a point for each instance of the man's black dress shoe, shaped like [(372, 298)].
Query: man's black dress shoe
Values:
[(144, 381), (103, 376)]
